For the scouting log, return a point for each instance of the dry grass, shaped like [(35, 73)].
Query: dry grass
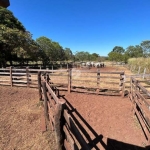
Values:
[(20, 121)]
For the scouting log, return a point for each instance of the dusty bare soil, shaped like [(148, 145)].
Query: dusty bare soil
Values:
[(20, 125), (108, 120)]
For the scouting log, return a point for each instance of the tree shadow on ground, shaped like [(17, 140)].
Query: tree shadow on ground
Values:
[(111, 143)]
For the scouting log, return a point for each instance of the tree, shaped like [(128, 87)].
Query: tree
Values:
[(134, 51), (51, 51), (118, 49), (146, 48), (13, 38), (58, 52), (46, 49), (82, 56), (68, 54), (115, 56), (94, 57)]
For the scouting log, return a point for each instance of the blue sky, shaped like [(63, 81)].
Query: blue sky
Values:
[(86, 25)]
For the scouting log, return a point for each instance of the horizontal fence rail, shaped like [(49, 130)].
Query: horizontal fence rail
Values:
[(57, 116), (98, 82), (140, 98)]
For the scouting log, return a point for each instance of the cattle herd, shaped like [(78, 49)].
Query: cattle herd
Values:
[(93, 64)]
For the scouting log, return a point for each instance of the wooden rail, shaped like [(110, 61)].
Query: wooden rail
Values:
[(56, 115), (98, 82), (139, 97)]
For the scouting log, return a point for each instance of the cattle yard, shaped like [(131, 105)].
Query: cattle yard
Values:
[(80, 98)]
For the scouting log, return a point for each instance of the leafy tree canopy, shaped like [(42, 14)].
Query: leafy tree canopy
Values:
[(146, 48), (115, 56), (134, 51), (118, 49), (68, 54), (14, 39)]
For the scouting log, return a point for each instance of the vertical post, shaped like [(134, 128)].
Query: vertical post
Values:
[(39, 86), (122, 76), (98, 80), (98, 77), (52, 68), (67, 65), (45, 100), (132, 94), (69, 80), (11, 82), (131, 90), (27, 75), (58, 123), (144, 73), (139, 69)]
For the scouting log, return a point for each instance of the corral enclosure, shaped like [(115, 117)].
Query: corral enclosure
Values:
[(106, 122)]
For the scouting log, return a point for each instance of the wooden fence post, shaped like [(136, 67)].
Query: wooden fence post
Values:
[(139, 69), (144, 73), (69, 80), (98, 77), (27, 75), (98, 80), (39, 86), (52, 68), (58, 124), (11, 82), (131, 88), (122, 80), (45, 100)]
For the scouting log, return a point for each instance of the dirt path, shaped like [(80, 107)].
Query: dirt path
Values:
[(20, 124)]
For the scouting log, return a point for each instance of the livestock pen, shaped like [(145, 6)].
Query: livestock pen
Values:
[(89, 81), (63, 117)]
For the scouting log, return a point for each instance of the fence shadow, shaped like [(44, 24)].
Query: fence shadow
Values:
[(111, 143)]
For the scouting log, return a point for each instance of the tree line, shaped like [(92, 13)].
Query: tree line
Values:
[(118, 53), (17, 45)]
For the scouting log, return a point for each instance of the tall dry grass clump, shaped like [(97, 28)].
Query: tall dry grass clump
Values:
[(140, 62)]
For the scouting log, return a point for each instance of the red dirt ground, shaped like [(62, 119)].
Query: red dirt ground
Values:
[(109, 116), (20, 125), (108, 121)]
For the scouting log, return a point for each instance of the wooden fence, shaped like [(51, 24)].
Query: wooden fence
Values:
[(18, 77), (140, 98), (99, 82), (56, 114)]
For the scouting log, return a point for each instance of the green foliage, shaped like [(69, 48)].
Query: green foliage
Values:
[(50, 50), (146, 48), (68, 54), (15, 41), (115, 56), (94, 57), (8, 20), (134, 51), (118, 49), (86, 56), (119, 54)]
